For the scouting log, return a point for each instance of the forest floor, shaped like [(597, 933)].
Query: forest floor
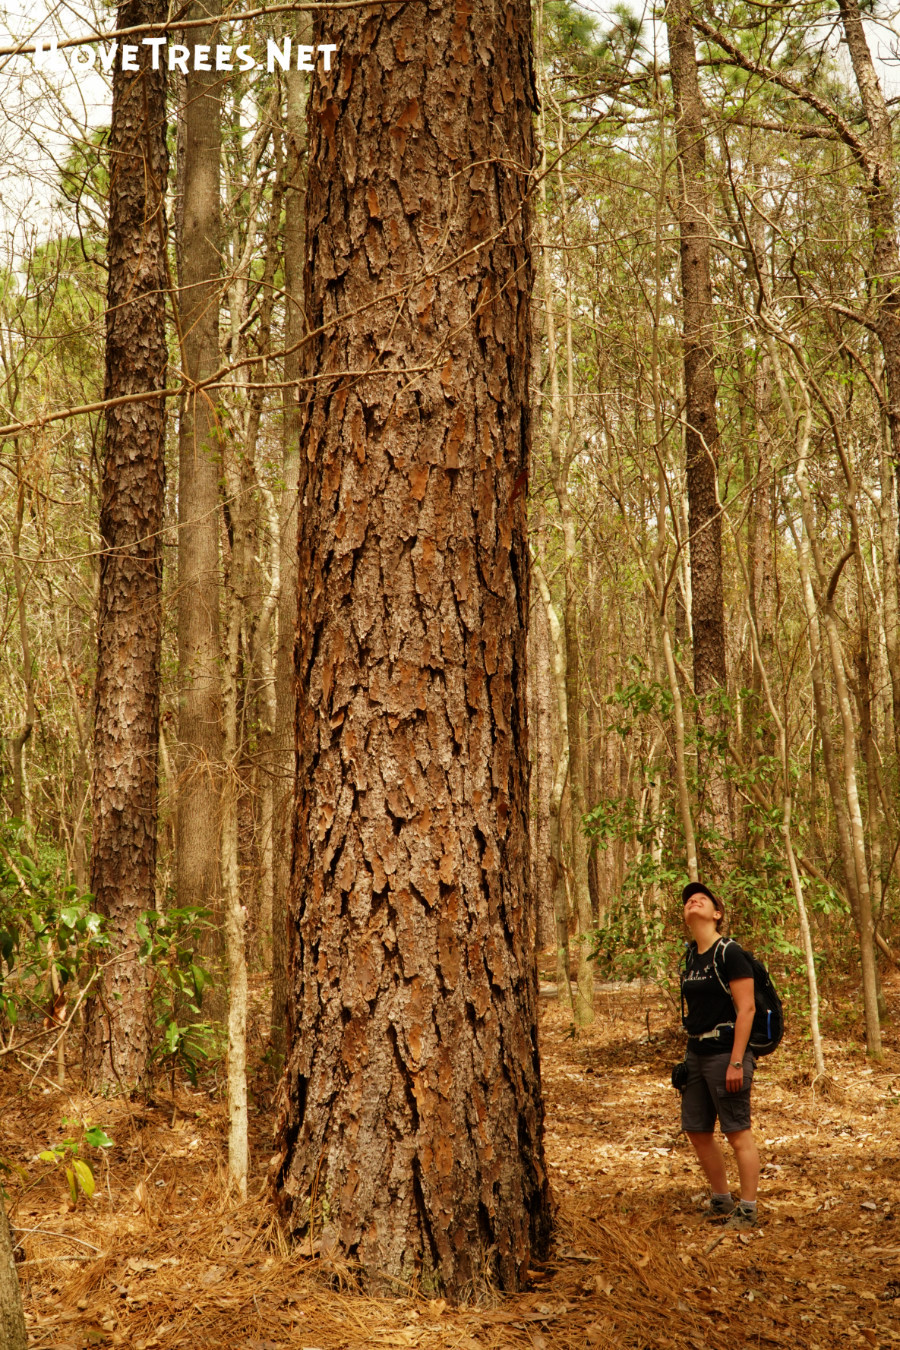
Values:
[(158, 1260)]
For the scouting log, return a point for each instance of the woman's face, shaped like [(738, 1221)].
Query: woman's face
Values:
[(699, 906)]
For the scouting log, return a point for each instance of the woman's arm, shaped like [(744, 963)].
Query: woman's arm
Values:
[(742, 992)]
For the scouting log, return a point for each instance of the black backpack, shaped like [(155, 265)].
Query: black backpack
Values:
[(768, 1021)]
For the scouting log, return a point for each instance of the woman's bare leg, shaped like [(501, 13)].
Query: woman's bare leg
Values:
[(712, 1160), (747, 1155)]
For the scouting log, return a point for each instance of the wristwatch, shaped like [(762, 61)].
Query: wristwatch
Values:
[(737, 1064)]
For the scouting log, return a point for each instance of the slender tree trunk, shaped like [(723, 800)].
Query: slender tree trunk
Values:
[(78, 858), (584, 997), (593, 676), (880, 198), (284, 750), (268, 723), (658, 560), (411, 1127), (809, 955), (561, 456), (786, 830), (126, 722), (199, 789), (541, 721), (247, 620), (870, 759), (881, 188), (559, 890), (806, 560), (822, 706), (20, 804), (235, 911), (762, 528), (890, 582), (250, 603), (264, 588), (701, 424), (656, 848), (13, 1335), (848, 741), (684, 796)]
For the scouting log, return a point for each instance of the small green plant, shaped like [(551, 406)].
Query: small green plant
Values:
[(65, 1155)]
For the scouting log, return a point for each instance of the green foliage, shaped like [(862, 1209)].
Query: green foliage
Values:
[(642, 935), (48, 931), (97, 1137), (631, 945), (50, 935), (568, 28), (65, 1156), (169, 942), (639, 698), (84, 181)]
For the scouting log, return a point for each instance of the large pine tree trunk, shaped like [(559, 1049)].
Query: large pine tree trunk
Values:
[(701, 429), (411, 1128), (199, 471), (126, 726)]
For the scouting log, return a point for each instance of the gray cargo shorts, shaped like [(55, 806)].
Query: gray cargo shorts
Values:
[(705, 1097)]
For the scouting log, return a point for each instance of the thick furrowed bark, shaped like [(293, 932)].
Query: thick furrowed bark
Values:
[(411, 1130), (126, 725)]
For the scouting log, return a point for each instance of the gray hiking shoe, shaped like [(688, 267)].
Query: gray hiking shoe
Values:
[(717, 1211), (741, 1216)]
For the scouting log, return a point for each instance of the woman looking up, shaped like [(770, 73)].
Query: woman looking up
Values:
[(718, 1005)]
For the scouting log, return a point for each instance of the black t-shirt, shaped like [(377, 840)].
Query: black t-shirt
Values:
[(706, 1003)]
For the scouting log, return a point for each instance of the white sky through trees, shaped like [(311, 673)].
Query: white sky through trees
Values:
[(45, 112)]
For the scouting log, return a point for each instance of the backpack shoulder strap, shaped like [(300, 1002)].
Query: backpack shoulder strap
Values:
[(682, 974), (720, 947)]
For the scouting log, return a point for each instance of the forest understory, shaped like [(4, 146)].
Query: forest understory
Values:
[(159, 1259)]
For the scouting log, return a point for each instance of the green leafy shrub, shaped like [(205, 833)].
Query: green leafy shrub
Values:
[(49, 934), (169, 942)]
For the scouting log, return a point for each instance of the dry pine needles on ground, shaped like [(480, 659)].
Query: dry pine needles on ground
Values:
[(159, 1260)]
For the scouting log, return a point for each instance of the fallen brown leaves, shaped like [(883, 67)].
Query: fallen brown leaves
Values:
[(160, 1260)]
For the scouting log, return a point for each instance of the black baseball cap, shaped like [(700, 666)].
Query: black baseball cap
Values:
[(695, 888)]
